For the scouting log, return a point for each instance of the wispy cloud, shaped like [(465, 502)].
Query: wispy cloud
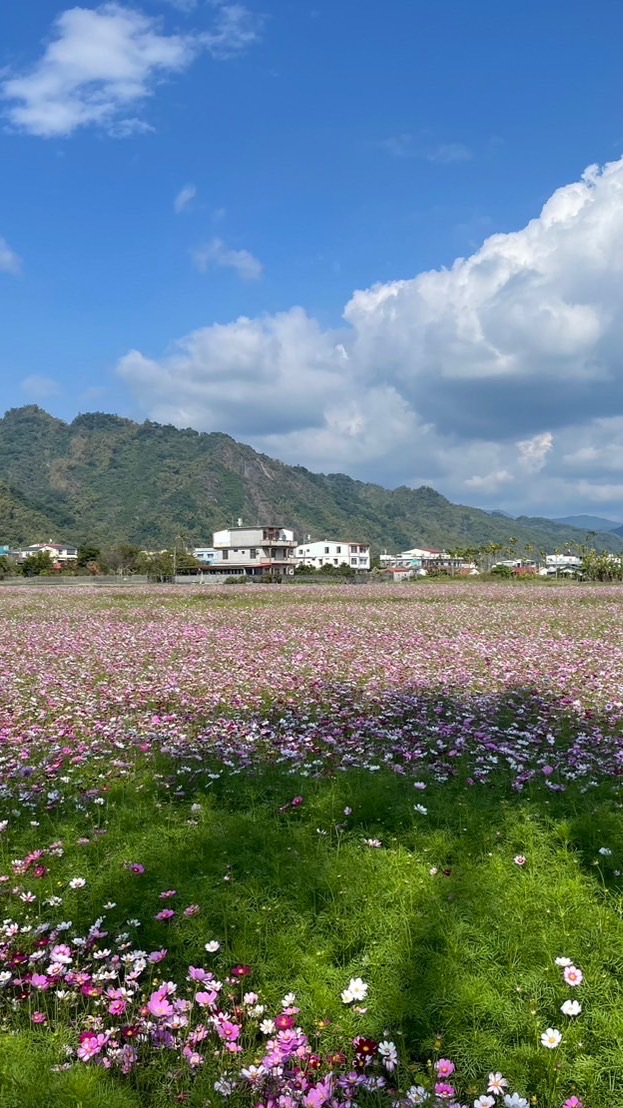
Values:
[(184, 198), (40, 388), (103, 62), (405, 145), (10, 262), (217, 253), (235, 30)]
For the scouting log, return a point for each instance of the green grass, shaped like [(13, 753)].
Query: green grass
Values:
[(460, 962)]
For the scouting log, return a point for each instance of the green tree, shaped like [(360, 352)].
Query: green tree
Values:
[(37, 564), (86, 554)]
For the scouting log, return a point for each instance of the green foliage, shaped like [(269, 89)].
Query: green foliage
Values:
[(502, 571), (37, 564), (88, 553)]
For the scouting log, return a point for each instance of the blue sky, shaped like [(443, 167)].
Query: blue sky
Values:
[(193, 192)]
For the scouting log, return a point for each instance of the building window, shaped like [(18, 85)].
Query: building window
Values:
[(225, 555), (326, 549), (253, 552), (338, 550)]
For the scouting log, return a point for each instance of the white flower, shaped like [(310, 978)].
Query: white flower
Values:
[(417, 1094), (433, 871), (212, 947), (421, 809), (484, 1101), (605, 851), (563, 961), (571, 1008), (551, 1038), (348, 811), (110, 904), (497, 1084), (372, 842), (514, 1100), (357, 990), (224, 1087), (267, 1027), (389, 1055), (419, 785), (77, 883), (54, 901), (519, 859), (5, 976), (3, 825), (288, 1000)]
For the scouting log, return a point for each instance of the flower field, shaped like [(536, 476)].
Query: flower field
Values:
[(311, 846)]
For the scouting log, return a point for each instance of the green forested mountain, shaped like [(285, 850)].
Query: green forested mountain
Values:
[(105, 479)]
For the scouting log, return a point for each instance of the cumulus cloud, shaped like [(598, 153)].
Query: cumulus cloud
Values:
[(218, 254), (10, 262), (496, 378), (184, 198), (102, 63)]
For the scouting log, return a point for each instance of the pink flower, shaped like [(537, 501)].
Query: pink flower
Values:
[(158, 1004), (168, 894), (166, 914), (192, 910), (157, 956), (40, 981), (206, 1000), (444, 1067), (39, 1017), (117, 1007), (228, 1031), (136, 867), (519, 859), (573, 976), (573, 1102)]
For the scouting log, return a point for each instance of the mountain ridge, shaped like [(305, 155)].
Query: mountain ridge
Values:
[(103, 478)]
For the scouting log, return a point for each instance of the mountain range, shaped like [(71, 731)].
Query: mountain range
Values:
[(104, 479)]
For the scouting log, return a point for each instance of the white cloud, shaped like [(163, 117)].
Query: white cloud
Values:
[(533, 452), (103, 62), (184, 198), (217, 253), (40, 388), (10, 262), (498, 376)]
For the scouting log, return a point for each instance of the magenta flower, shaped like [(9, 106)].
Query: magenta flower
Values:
[(168, 894), (117, 1007), (444, 1067), (136, 867), (443, 1090), (165, 914), (40, 981), (573, 1102), (39, 1017), (157, 956)]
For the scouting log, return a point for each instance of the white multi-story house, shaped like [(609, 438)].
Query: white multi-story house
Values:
[(330, 552), (60, 553), (250, 552)]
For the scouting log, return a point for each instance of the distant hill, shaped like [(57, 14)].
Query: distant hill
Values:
[(104, 479), (588, 523)]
